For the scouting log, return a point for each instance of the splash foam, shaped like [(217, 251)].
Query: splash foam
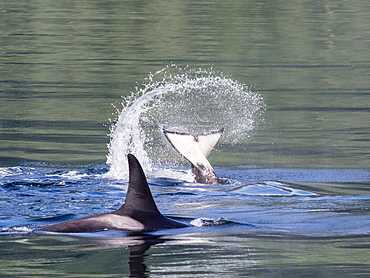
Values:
[(183, 100)]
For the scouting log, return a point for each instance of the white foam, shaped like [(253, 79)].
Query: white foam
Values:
[(16, 230), (201, 222), (73, 175), (13, 171), (184, 100)]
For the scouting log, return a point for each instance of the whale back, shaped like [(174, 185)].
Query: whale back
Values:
[(139, 213)]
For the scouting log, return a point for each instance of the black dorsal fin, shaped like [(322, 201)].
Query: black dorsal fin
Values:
[(138, 197)]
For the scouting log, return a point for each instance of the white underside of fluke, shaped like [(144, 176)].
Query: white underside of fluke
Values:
[(196, 148)]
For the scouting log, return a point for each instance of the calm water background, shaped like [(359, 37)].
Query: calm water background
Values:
[(299, 198)]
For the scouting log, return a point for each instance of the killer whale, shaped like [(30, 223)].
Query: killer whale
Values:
[(139, 213), (196, 148)]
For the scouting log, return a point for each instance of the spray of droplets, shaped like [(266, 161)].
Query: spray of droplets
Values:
[(183, 100)]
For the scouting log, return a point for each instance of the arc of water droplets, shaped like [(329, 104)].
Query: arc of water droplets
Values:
[(185, 100)]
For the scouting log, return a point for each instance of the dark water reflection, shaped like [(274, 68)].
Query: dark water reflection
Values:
[(230, 254)]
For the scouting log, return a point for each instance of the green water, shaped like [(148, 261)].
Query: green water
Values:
[(209, 255), (63, 64)]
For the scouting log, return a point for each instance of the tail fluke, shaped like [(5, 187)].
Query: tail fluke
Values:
[(196, 148)]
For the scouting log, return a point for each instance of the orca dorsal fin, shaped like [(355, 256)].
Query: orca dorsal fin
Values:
[(138, 197)]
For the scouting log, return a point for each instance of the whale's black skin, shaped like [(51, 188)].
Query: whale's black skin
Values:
[(196, 148), (139, 213)]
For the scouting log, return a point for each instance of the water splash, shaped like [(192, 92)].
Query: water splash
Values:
[(184, 100)]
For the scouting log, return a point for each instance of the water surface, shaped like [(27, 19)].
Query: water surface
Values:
[(297, 201)]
